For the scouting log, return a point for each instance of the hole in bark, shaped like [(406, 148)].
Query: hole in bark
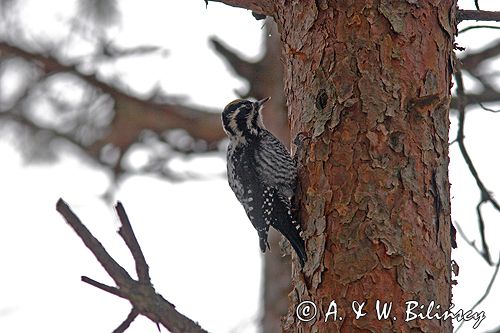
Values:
[(321, 99), (396, 141)]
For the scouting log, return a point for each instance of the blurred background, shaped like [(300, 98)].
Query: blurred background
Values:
[(106, 100)]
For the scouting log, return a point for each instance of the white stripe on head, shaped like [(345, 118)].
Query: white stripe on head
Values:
[(234, 126)]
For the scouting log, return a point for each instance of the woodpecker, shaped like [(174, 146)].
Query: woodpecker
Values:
[(261, 174)]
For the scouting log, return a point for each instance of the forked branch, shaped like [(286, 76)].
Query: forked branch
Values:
[(486, 195), (140, 293)]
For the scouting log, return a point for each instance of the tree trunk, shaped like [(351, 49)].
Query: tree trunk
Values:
[(368, 86)]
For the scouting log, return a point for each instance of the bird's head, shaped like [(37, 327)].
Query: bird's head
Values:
[(241, 117)]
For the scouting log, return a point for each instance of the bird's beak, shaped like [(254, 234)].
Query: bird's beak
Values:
[(262, 101)]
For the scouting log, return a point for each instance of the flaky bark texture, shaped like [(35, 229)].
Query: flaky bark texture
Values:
[(368, 85)]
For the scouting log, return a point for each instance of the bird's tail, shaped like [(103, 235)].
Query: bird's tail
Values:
[(293, 235), (291, 230)]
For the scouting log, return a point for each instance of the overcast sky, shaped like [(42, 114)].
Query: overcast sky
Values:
[(202, 251)]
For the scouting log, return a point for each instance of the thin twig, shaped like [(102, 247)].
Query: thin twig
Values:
[(467, 240), (488, 109), (486, 292), (259, 6), (128, 236), (126, 323), (486, 249), (485, 194), (473, 27), (102, 286)]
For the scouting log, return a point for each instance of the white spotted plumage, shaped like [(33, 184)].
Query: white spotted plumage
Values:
[(261, 174)]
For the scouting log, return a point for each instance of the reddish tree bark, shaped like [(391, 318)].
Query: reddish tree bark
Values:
[(368, 86)]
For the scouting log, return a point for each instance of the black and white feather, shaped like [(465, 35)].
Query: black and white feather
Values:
[(261, 174)]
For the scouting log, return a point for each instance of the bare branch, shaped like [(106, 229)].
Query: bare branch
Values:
[(466, 239), (473, 27), (487, 96), (129, 237), (488, 109), (471, 61), (478, 15), (119, 275), (102, 286), (241, 67), (486, 292), (141, 294), (131, 118), (199, 124), (485, 194), (126, 323), (258, 6), (484, 243)]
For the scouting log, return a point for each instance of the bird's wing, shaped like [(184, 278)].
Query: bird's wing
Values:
[(274, 165)]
